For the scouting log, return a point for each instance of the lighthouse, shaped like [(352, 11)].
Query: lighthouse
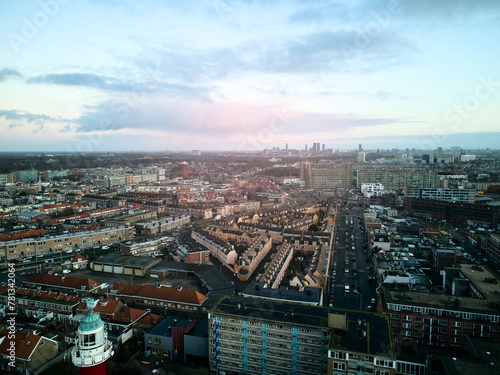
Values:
[(92, 346)]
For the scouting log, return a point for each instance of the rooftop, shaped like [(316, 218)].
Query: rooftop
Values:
[(126, 260), (377, 339)]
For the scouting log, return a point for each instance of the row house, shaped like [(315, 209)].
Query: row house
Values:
[(232, 234), (31, 352), (308, 242), (250, 259), (275, 272), (159, 296), (218, 248), (62, 283), (41, 304)]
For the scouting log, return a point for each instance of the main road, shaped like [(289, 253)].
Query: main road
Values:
[(350, 256)]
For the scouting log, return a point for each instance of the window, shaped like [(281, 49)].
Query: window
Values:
[(339, 366)]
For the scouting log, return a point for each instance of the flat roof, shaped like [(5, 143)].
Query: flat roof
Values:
[(161, 328), (376, 341), (126, 260), (483, 280), (440, 301), (310, 295)]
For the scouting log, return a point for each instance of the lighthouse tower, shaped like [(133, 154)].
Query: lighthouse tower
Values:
[(92, 346)]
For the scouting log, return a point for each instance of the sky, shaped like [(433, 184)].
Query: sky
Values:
[(85, 76)]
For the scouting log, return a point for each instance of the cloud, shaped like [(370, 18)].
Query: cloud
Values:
[(399, 11), (153, 84), (29, 117), (7, 73), (174, 116)]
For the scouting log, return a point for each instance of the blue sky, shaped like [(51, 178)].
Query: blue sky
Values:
[(246, 75)]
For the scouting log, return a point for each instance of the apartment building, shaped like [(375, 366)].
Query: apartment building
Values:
[(469, 307), (218, 248), (255, 336), (31, 247), (154, 227), (490, 244), (196, 211), (443, 194), (250, 259), (241, 206), (461, 213), (144, 246), (395, 179), (326, 175)]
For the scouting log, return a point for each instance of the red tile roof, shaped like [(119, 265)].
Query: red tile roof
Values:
[(25, 344), (129, 315), (78, 258), (62, 281), (47, 295), (165, 293), (16, 236), (104, 306), (151, 319)]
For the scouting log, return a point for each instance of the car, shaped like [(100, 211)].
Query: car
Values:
[(105, 247), (485, 260), (373, 301), (346, 270), (369, 308)]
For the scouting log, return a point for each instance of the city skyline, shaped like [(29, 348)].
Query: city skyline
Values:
[(232, 75)]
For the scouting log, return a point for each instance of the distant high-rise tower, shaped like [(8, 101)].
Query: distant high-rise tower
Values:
[(360, 148), (323, 148), (286, 147), (92, 345), (361, 157)]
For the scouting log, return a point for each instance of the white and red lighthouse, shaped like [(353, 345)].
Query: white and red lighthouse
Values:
[(92, 345)]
